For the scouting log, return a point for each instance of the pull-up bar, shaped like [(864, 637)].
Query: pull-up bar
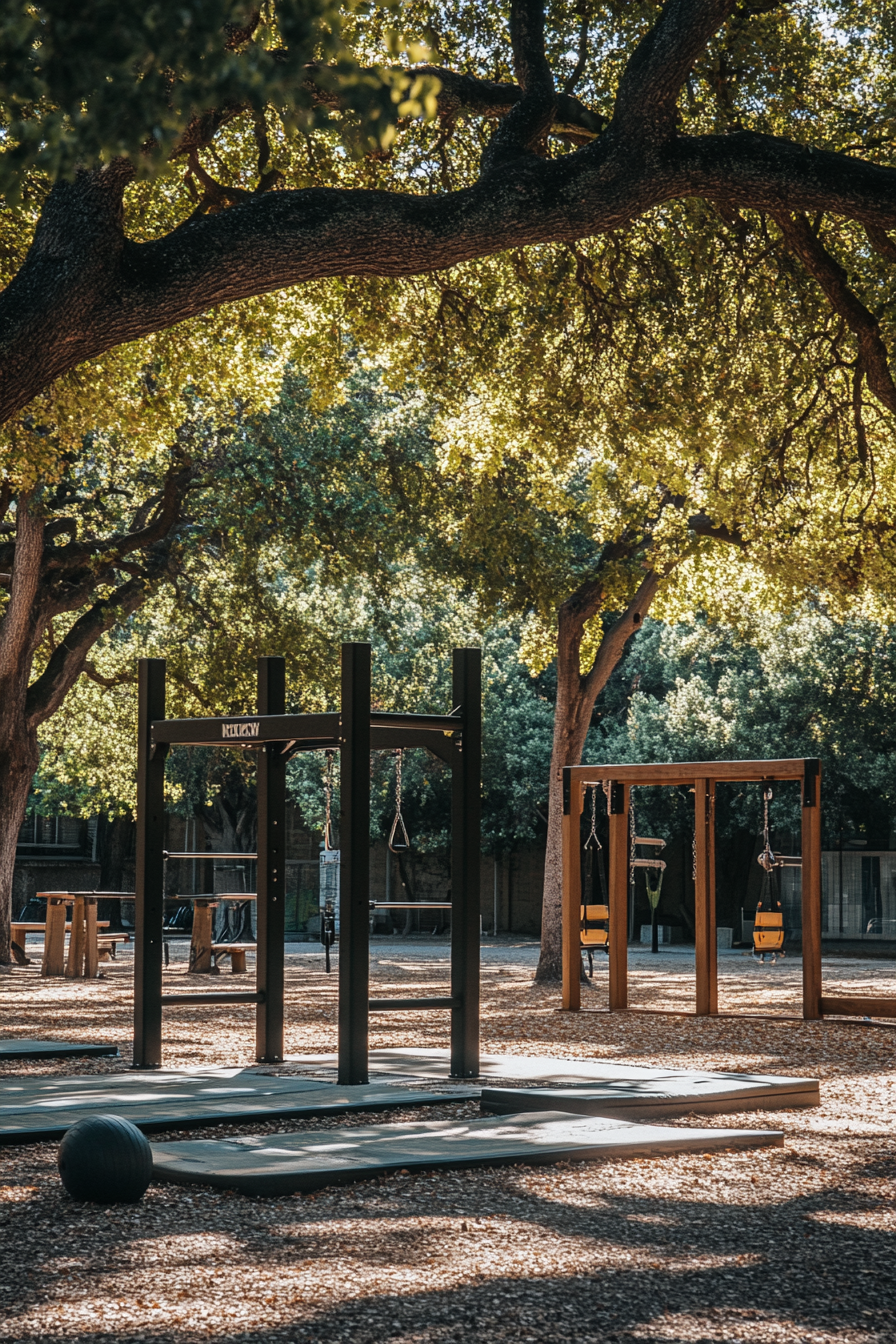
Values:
[(355, 731)]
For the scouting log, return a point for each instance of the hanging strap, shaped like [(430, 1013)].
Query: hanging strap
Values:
[(398, 836), (768, 860), (328, 803)]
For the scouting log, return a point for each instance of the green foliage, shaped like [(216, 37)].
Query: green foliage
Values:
[(412, 670), (83, 85), (803, 684), (286, 508)]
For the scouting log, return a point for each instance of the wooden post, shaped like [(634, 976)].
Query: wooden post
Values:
[(74, 967), (270, 907), (571, 913), (705, 950), (466, 790), (811, 890), (53, 962), (200, 962), (617, 882), (91, 951), (149, 900), (354, 865)]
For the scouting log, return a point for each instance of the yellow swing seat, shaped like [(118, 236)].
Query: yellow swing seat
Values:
[(768, 931), (591, 915)]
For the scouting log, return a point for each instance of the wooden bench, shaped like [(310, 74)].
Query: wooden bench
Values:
[(105, 944), (236, 952), (19, 932)]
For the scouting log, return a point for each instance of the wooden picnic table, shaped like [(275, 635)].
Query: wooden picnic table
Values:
[(202, 943), (83, 958)]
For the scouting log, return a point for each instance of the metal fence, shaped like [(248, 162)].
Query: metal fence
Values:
[(858, 896)]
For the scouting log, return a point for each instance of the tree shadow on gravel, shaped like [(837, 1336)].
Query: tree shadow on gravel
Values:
[(790, 1270)]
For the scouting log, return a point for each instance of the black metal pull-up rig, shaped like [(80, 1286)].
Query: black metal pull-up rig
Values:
[(355, 731)]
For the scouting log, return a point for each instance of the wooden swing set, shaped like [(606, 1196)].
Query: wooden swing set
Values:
[(616, 781)]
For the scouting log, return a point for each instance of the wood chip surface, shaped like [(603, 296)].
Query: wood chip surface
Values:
[(792, 1244)]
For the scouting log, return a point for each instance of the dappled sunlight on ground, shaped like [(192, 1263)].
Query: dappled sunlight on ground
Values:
[(792, 1244)]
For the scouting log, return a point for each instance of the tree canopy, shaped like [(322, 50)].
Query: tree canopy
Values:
[(794, 684), (260, 150)]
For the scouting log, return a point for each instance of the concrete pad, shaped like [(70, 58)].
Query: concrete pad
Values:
[(282, 1164), (12, 1050), (33, 1109), (597, 1086)]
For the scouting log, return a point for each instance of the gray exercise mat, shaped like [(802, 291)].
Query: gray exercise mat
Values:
[(671, 1097), (281, 1164), (602, 1087), (11, 1050), (32, 1109)]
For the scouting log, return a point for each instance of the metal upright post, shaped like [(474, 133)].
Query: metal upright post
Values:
[(354, 866), (466, 776), (271, 870), (150, 867), (705, 941), (811, 889), (617, 880)]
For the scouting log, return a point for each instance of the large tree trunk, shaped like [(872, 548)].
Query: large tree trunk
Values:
[(18, 762), (576, 695), (46, 580)]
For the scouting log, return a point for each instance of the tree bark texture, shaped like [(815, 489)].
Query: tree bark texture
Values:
[(19, 757), (85, 287), (576, 696)]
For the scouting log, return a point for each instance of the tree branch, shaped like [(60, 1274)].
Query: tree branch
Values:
[(17, 621), (66, 663), (654, 77), (703, 526), (832, 279), (77, 554), (618, 635), (530, 120), (85, 289)]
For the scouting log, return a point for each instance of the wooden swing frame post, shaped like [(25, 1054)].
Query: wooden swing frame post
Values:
[(702, 777)]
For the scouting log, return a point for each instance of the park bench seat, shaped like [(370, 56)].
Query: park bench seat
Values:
[(106, 944), (19, 931), (236, 952)]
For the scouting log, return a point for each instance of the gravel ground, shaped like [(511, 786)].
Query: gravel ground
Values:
[(778, 1245)]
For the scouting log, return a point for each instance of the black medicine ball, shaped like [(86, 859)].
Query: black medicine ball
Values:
[(104, 1159)]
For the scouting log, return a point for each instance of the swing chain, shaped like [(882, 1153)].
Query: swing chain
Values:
[(767, 858), (398, 836), (328, 799), (591, 839)]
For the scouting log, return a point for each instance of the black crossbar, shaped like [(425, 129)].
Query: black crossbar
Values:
[(432, 723), (411, 905), (404, 1005), (246, 996), (252, 730), (248, 730), (202, 854)]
